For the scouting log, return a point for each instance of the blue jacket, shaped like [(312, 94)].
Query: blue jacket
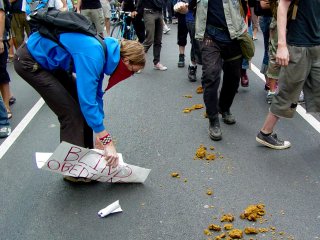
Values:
[(90, 65)]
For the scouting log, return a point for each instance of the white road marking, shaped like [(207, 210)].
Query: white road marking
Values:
[(308, 117), (4, 147)]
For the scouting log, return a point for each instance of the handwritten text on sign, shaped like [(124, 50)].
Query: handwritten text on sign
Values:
[(76, 161)]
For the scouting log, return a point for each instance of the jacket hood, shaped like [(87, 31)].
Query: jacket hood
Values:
[(112, 55)]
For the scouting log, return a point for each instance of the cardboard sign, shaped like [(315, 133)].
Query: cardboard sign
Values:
[(75, 161)]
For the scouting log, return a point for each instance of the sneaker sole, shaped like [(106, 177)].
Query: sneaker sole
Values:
[(76, 180), (214, 138), (160, 69), (229, 123), (272, 146)]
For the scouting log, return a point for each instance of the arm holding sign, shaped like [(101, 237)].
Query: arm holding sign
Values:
[(104, 142)]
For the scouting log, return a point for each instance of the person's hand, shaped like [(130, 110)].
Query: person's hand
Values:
[(111, 155), (265, 4), (181, 7), (282, 57), (133, 14), (110, 152), (1, 47)]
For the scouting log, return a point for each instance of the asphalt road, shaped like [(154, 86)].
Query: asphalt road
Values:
[(144, 115)]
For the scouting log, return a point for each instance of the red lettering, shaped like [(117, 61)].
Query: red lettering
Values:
[(66, 167), (73, 154), (84, 173), (83, 157), (76, 169), (53, 165)]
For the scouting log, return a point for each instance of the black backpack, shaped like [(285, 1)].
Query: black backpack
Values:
[(51, 23)]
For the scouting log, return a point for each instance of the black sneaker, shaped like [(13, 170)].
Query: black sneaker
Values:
[(214, 129), (272, 141), (228, 118), (181, 60), (192, 73)]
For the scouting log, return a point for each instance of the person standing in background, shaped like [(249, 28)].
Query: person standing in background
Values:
[(19, 24), (136, 18), (92, 9), (107, 14), (4, 46), (153, 20)]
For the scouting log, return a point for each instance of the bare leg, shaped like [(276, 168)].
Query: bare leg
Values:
[(6, 94), (181, 49), (107, 23), (269, 124)]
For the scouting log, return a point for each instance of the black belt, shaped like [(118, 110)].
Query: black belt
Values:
[(152, 10)]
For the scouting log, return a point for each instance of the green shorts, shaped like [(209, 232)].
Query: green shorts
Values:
[(273, 68), (302, 73)]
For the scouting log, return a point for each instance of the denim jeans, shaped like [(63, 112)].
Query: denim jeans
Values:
[(3, 114), (264, 25)]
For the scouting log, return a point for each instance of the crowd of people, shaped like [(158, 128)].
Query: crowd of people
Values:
[(215, 29)]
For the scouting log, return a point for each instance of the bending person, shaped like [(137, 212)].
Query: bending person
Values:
[(78, 102)]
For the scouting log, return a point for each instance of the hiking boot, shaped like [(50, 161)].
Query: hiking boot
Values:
[(5, 131), (244, 80), (270, 96), (160, 67), (214, 129), (271, 140), (228, 118), (181, 60), (192, 73)]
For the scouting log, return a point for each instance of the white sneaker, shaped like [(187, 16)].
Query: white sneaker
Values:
[(166, 30), (301, 98), (160, 67)]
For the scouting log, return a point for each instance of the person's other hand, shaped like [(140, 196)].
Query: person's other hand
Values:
[(282, 57), (265, 4), (181, 7), (133, 14)]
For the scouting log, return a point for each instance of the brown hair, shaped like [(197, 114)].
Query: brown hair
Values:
[(134, 51)]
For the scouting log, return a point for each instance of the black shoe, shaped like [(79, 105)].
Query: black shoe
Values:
[(228, 118), (192, 73), (181, 60), (214, 129), (272, 141), (12, 100)]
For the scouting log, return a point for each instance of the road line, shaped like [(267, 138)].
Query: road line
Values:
[(4, 147), (308, 117)]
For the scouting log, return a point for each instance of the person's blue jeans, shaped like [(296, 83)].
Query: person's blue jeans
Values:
[(265, 29), (3, 114)]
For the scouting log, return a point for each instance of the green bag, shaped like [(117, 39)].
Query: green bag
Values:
[(246, 45)]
